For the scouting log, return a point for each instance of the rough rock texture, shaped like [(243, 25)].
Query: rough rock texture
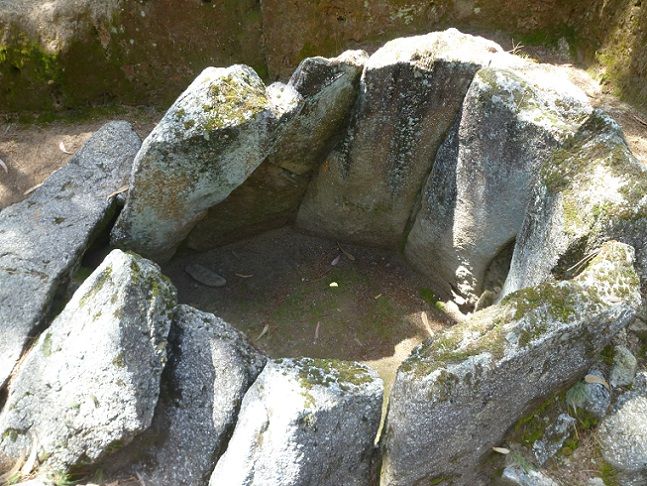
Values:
[(305, 421), (211, 366), (92, 379), (593, 189), (519, 476), (472, 382), (593, 398), (272, 194), (624, 367), (474, 201), (623, 434), (43, 238), (554, 438), (212, 138), (410, 95)]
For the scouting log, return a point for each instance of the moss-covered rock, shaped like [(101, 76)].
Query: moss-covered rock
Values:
[(590, 191), (44, 237), (210, 140), (513, 118), (91, 382), (473, 382), (270, 197), (305, 421), (410, 95)]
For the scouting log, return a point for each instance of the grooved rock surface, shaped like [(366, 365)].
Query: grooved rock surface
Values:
[(591, 190), (211, 366), (212, 138), (272, 194), (474, 201), (410, 95), (457, 394), (43, 238), (305, 421), (91, 381), (623, 435)]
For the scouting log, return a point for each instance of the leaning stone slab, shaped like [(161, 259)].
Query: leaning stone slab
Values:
[(305, 421), (43, 238), (270, 197), (474, 201), (591, 190), (623, 434), (456, 396), (91, 381), (410, 95), (211, 366), (212, 138)]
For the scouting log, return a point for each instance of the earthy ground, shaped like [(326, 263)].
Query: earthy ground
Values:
[(299, 295)]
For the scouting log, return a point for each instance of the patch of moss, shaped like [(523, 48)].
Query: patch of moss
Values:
[(232, 100), (47, 345), (100, 281), (430, 298), (608, 474)]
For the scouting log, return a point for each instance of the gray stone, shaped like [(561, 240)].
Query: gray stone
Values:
[(474, 201), (410, 95), (593, 398), (305, 421), (203, 275), (623, 434), (624, 367), (515, 475), (91, 381), (475, 380), (595, 482), (212, 138), (43, 238), (554, 437), (270, 197), (211, 366), (593, 189)]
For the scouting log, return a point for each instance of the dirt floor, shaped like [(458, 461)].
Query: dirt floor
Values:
[(299, 295)]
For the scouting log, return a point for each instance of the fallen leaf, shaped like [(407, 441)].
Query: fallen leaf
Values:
[(346, 254), (336, 260), (242, 275), (118, 191), (501, 450), (317, 331), (62, 148), (4, 166), (377, 296), (425, 321), (31, 189), (263, 332), (597, 380), (334, 284)]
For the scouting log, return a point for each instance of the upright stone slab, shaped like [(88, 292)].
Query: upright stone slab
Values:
[(305, 421), (474, 201), (43, 238), (592, 189), (272, 194), (212, 138), (91, 381), (457, 394), (410, 95), (211, 366)]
